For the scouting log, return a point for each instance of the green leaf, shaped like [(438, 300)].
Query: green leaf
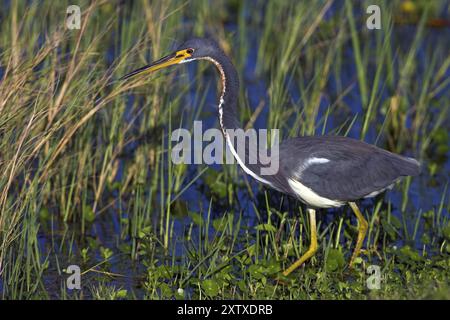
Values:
[(44, 214), (335, 260), (273, 267), (196, 218), (251, 250), (84, 254), (395, 222), (166, 291), (220, 188), (409, 255), (210, 287), (144, 232), (121, 294), (89, 214), (446, 231), (425, 238), (265, 227), (256, 271), (242, 285), (220, 224), (106, 253)]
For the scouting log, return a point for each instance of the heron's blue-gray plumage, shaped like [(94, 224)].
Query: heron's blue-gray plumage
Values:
[(355, 169)]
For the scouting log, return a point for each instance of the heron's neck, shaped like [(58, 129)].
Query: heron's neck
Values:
[(228, 110), (229, 116)]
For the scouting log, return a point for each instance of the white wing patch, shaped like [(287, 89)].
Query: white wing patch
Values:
[(309, 162), (311, 198), (313, 160)]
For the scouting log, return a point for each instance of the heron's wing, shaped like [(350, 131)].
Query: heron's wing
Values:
[(343, 169)]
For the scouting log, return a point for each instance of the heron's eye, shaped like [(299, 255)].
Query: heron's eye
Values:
[(190, 51)]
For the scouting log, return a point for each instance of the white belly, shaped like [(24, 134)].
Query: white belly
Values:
[(308, 196)]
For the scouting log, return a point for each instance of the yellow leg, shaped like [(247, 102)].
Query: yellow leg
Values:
[(362, 230), (312, 247)]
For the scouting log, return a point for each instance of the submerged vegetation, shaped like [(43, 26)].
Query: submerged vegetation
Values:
[(86, 176)]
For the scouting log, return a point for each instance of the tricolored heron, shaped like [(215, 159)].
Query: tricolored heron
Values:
[(320, 171)]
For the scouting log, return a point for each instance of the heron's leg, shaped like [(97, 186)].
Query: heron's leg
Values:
[(362, 230), (312, 247)]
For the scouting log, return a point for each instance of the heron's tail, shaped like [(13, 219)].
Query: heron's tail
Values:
[(409, 167)]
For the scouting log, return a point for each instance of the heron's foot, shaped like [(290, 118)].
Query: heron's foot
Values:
[(362, 230), (308, 254), (312, 247), (368, 252)]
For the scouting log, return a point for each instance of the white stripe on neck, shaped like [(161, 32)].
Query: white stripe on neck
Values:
[(227, 137), (242, 164)]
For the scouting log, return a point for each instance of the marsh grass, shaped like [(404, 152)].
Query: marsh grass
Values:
[(87, 177)]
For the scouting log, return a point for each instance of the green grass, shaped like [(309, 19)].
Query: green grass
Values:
[(82, 155)]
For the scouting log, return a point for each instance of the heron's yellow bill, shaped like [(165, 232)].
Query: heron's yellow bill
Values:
[(171, 59)]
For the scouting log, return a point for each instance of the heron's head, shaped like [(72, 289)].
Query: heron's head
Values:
[(193, 49)]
